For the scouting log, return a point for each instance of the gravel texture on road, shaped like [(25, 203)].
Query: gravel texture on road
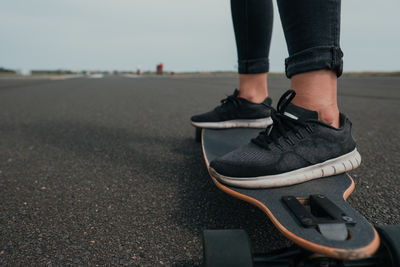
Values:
[(107, 171)]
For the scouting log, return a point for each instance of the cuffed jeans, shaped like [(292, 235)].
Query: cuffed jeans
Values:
[(312, 32)]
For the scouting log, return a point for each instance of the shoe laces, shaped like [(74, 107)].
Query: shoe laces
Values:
[(231, 99), (281, 125)]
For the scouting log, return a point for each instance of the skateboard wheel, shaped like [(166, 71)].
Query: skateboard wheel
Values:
[(198, 134), (226, 248), (390, 238)]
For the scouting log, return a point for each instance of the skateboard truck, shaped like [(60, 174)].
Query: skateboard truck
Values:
[(323, 214)]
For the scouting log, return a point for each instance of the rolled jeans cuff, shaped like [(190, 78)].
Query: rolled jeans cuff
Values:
[(253, 66), (316, 58)]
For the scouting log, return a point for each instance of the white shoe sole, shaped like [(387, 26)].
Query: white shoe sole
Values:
[(330, 167), (257, 123)]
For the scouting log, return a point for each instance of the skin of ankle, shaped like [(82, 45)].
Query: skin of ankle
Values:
[(253, 87), (317, 90)]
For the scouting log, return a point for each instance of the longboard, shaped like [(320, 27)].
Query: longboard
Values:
[(313, 214)]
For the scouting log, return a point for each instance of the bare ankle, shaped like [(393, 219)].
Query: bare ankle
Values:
[(330, 116), (252, 96), (317, 90), (253, 87)]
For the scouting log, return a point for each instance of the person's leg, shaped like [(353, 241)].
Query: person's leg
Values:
[(317, 90), (304, 142), (312, 29), (247, 106), (252, 21), (253, 87)]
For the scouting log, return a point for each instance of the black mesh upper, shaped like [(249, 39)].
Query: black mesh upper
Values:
[(319, 145), (240, 108)]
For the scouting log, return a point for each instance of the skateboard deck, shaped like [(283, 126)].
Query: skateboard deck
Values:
[(313, 214)]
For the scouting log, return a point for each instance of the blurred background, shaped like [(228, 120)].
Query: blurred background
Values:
[(184, 35)]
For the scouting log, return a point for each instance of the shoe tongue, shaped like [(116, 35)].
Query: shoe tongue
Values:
[(296, 112)]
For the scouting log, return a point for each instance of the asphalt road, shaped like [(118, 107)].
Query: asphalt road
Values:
[(106, 171)]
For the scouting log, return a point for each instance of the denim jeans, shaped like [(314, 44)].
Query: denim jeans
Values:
[(311, 28)]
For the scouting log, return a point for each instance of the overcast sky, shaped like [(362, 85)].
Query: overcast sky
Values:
[(185, 35)]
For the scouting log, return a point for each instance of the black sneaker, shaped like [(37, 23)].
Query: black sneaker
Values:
[(296, 148), (235, 112)]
